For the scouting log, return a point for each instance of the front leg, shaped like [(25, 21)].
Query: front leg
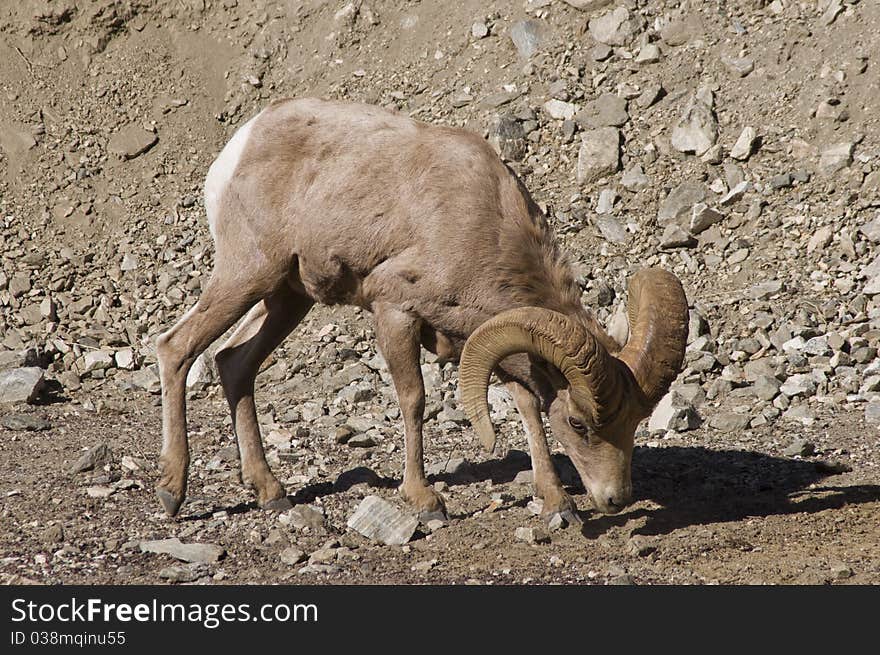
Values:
[(397, 334), (548, 487)]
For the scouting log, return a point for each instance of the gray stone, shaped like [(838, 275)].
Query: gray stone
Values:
[(94, 360), (673, 412), (817, 346), (611, 229), (781, 181), (608, 110), (292, 555), (599, 154), (675, 236), (679, 32), (131, 141), (302, 516), (616, 27), (745, 144), (839, 570), (634, 179), (835, 158), (730, 422), (703, 217), (605, 204), (560, 110), (147, 379), (531, 535), (697, 129), (765, 290), (680, 201), (25, 422), (740, 66), (799, 414), (527, 36), (479, 30), (735, 193), (872, 412), (183, 573), (125, 359), (203, 553), (820, 239), (94, 457), (129, 263), (361, 441), (21, 385), (799, 447), (648, 54), (800, 384), (765, 387), (588, 5), (202, 373), (650, 94), (381, 521)]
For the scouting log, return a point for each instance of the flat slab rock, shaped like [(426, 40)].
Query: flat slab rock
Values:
[(381, 521), (203, 553)]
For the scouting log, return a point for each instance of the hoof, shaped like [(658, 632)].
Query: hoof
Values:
[(170, 502), (435, 515), (277, 505), (563, 519)]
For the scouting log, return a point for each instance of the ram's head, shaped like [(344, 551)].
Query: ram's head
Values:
[(603, 396)]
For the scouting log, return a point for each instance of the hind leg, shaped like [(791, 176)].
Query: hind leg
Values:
[(221, 304), (238, 362)]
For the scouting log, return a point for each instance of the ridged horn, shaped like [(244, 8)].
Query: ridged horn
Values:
[(658, 319), (593, 374)]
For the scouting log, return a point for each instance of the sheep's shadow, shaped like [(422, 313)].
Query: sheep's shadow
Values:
[(694, 486)]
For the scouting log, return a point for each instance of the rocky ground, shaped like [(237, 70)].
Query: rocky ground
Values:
[(736, 143)]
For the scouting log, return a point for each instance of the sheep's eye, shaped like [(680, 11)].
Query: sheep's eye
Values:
[(576, 424)]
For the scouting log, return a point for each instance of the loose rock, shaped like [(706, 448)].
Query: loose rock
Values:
[(379, 520)]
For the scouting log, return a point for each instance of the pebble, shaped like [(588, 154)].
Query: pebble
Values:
[(835, 158), (616, 27), (745, 144), (680, 201), (560, 110), (599, 154), (526, 36), (94, 457), (479, 30), (302, 516), (531, 535), (729, 422), (697, 129)]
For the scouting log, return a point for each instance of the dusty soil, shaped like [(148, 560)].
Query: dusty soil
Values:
[(119, 246)]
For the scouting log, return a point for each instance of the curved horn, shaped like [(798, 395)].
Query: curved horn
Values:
[(593, 374), (658, 317), (599, 382)]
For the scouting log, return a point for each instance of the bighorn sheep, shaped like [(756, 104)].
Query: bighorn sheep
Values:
[(314, 201)]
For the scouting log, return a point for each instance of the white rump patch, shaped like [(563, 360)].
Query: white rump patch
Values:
[(222, 169)]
